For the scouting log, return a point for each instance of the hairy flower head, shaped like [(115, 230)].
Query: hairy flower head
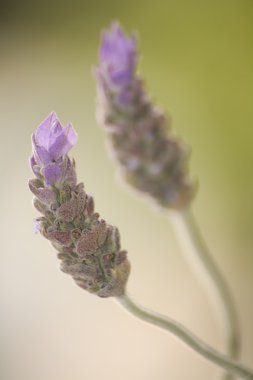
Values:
[(87, 246)]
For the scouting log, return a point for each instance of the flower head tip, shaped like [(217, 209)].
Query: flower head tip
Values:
[(118, 56), (51, 143)]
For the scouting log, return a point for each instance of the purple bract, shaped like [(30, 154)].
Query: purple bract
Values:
[(118, 56), (51, 143)]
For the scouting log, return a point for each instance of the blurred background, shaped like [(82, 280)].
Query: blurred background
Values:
[(197, 58)]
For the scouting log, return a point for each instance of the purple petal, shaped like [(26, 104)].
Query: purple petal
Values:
[(106, 50), (52, 173), (55, 130), (114, 45), (62, 144), (42, 135), (41, 155), (71, 135), (33, 162), (35, 167), (118, 55), (121, 77)]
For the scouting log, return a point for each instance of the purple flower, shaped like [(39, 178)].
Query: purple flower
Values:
[(118, 56), (51, 143)]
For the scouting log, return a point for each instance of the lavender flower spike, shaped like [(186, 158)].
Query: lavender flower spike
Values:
[(88, 247), (151, 158)]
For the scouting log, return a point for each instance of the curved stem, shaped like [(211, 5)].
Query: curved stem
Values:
[(185, 336), (199, 256)]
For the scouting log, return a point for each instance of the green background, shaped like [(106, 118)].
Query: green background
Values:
[(197, 58)]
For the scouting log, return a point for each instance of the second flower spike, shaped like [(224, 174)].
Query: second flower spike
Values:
[(151, 158)]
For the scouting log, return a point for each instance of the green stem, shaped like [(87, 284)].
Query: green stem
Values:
[(185, 336), (199, 256)]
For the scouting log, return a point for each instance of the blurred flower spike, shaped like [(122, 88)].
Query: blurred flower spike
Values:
[(151, 158), (88, 247)]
